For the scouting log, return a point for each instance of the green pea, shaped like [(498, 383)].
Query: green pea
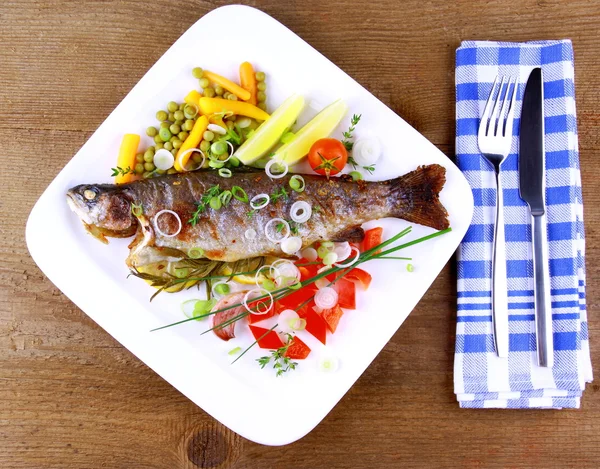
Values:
[(262, 106), (165, 134), (146, 175), (232, 97), (188, 125), (204, 82), (230, 125), (168, 146), (208, 136), (190, 111), (215, 203), (182, 106), (261, 97), (174, 152), (172, 106), (165, 125), (197, 157), (161, 171), (260, 76), (209, 92), (197, 72), (182, 136), (139, 158), (233, 161), (179, 116), (219, 90), (218, 148), (161, 116), (262, 86), (151, 131), (149, 166), (149, 155), (139, 168), (204, 145), (171, 117), (173, 138), (158, 146), (174, 129), (356, 176), (172, 171), (157, 139), (226, 95), (177, 144)]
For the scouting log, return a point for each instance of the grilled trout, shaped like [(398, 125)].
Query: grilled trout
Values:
[(339, 207)]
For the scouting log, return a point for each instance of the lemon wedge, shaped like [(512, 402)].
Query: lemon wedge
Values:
[(243, 279), (319, 127), (271, 130)]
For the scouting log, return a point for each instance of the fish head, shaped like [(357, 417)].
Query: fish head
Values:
[(104, 209)]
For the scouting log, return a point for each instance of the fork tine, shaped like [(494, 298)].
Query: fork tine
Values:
[(503, 112), (483, 124), (511, 110), (495, 119)]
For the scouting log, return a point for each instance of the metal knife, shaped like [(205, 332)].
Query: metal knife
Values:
[(532, 186)]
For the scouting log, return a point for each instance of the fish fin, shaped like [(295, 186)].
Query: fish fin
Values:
[(420, 189), (354, 234)]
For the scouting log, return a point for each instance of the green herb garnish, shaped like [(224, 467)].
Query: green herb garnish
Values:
[(118, 170), (279, 194), (281, 363), (211, 193), (348, 135), (137, 210)]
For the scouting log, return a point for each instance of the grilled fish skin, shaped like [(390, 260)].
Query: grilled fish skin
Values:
[(340, 206)]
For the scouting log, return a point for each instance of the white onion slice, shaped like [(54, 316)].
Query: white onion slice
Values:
[(329, 364), (326, 298), (191, 150), (366, 151), (271, 269), (310, 254), (160, 232), (250, 233), (284, 269), (323, 281), (271, 225), (300, 211), (164, 159), (351, 261), (287, 319), (216, 129), (291, 245), (343, 251), (278, 163), (255, 202), (262, 307), (230, 145)]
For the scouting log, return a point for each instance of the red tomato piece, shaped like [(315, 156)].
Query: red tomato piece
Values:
[(315, 324), (254, 318), (346, 293), (295, 299), (332, 317), (372, 238), (297, 350), (361, 276), (266, 338)]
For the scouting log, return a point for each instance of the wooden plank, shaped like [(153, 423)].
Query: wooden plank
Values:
[(71, 397)]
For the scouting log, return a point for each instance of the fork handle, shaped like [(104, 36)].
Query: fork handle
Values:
[(543, 305), (499, 281)]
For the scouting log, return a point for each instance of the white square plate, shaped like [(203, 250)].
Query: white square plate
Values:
[(242, 396)]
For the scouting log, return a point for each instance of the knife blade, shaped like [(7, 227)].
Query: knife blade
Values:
[(532, 187)]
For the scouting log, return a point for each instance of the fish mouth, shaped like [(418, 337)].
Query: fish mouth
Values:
[(75, 203)]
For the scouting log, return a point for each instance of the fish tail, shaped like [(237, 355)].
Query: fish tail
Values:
[(417, 195)]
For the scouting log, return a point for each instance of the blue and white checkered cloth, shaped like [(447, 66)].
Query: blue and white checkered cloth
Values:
[(481, 379)]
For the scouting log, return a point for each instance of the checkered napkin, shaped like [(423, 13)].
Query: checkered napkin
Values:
[(481, 379)]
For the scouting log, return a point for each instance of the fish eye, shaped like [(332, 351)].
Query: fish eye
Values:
[(89, 194)]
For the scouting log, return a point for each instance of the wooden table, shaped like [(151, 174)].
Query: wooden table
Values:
[(72, 397)]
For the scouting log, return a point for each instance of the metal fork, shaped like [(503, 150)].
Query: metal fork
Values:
[(494, 140)]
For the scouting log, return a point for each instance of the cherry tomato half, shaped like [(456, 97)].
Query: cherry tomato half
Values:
[(327, 156)]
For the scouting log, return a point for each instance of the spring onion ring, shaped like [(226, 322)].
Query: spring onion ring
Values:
[(160, 232), (221, 292), (195, 253), (329, 364), (289, 321), (270, 275), (239, 194), (297, 183), (272, 224), (281, 164), (300, 211), (260, 303), (259, 201), (225, 172), (330, 258), (225, 197)]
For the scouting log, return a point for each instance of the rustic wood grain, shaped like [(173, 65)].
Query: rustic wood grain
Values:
[(71, 397)]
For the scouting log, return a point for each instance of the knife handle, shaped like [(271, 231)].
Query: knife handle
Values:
[(543, 305), (499, 282)]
